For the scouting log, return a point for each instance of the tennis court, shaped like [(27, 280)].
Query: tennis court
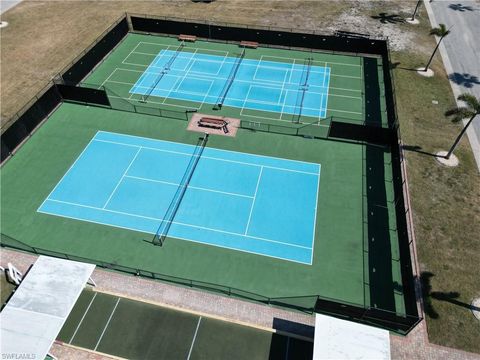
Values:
[(263, 84), (268, 85), (290, 248), (257, 204)]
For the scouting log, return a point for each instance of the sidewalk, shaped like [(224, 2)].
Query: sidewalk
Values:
[(8, 4), (413, 346), (473, 137)]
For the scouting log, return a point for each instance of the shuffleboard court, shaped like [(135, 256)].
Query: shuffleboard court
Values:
[(97, 322), (286, 88), (251, 203)]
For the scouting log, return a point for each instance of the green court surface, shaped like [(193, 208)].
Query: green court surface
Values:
[(136, 330), (349, 98), (355, 199)]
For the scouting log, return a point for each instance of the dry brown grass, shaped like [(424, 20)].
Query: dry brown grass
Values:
[(45, 36)]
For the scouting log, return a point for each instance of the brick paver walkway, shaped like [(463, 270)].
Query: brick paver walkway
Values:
[(414, 346)]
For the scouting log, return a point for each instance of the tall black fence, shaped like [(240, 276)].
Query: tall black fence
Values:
[(306, 304), (21, 125), (284, 37), (87, 95), (94, 54), (370, 130), (28, 118)]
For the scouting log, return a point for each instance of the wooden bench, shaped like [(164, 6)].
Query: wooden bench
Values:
[(249, 44), (213, 123), (185, 37)]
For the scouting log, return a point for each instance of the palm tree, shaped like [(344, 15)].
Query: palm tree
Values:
[(440, 31), (470, 110), (415, 11)]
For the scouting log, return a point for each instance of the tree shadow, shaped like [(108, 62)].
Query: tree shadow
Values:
[(451, 297), (428, 295), (417, 149), (385, 18), (425, 277), (461, 7), (465, 80), (396, 65)]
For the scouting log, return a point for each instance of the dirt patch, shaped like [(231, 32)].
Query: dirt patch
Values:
[(383, 24)]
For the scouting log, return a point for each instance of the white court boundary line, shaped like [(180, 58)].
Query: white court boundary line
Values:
[(196, 226), (182, 238), (262, 101), (187, 70), (159, 219), (206, 78), (254, 79), (322, 112), (212, 157), (316, 211), (83, 317), (189, 186), (69, 169), (253, 202), (187, 46), (248, 63), (269, 86), (121, 179), (165, 48), (315, 61), (328, 89), (106, 325), (194, 337)]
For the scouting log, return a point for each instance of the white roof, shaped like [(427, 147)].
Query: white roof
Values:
[(341, 339), (35, 314)]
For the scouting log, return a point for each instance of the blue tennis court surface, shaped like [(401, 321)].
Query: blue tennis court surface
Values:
[(251, 203), (291, 88)]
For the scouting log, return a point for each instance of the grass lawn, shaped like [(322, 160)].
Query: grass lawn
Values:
[(445, 201), (6, 288)]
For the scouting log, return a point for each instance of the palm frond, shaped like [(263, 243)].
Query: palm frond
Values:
[(471, 101), (459, 113), (441, 30)]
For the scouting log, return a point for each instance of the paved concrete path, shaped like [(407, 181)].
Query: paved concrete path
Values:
[(8, 4), (460, 52), (413, 346)]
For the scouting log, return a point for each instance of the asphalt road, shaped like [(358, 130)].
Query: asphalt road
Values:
[(462, 46)]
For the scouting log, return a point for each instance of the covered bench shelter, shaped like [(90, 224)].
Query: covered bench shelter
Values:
[(343, 340), (35, 314)]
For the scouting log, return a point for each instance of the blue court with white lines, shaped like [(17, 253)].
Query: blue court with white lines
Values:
[(245, 202), (288, 88)]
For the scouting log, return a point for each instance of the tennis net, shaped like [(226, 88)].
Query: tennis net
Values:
[(303, 89), (165, 70), (228, 84), (172, 209)]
